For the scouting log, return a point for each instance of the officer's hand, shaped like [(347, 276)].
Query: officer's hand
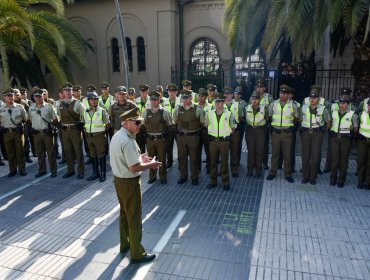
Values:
[(145, 158), (155, 164)]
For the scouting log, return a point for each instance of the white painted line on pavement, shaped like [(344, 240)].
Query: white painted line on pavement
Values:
[(29, 184), (143, 271)]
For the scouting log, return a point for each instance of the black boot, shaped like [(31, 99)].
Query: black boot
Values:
[(95, 174), (103, 168)]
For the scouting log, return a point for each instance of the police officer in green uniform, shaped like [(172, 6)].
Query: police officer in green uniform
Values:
[(256, 116), (170, 104), (29, 144), (265, 100), (204, 142), (188, 117), (296, 126), (238, 93), (43, 118), (283, 114), (238, 113), (156, 121), (58, 132), (162, 99), (119, 107), (211, 91), (315, 119), (142, 102), (107, 99), (12, 119), (344, 124), (186, 84), (96, 121), (70, 112), (127, 165), (363, 146), (2, 141), (221, 124), (345, 91), (131, 94)]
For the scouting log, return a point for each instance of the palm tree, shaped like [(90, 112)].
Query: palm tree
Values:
[(300, 25), (32, 36)]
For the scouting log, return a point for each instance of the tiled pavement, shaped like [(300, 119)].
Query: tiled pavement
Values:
[(259, 230)]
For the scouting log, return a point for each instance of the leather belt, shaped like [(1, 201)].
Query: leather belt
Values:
[(342, 135), (257, 126), (191, 133), (217, 139), (155, 137), (69, 126), (311, 130), (282, 131), (43, 131), (10, 130), (94, 134), (363, 138)]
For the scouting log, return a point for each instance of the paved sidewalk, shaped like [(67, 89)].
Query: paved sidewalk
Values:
[(259, 230)]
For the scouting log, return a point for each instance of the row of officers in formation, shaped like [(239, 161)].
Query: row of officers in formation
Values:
[(210, 120)]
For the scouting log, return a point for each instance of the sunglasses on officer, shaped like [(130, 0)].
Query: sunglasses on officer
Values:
[(136, 122)]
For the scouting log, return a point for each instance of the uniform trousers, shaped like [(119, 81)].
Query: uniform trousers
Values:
[(241, 129), (311, 150), (96, 143), (267, 146), (130, 225), (14, 144), (45, 145), (204, 142), (188, 147), (340, 149), (169, 144), (234, 152), (157, 148), (363, 161), (29, 142), (219, 150), (281, 142), (256, 147), (72, 142), (140, 139)]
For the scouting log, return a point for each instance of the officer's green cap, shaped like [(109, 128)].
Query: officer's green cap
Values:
[(211, 87), (202, 92), (90, 87), (120, 89), (144, 87), (92, 95), (186, 83), (159, 88), (133, 114), (131, 91), (228, 90), (104, 85), (255, 94), (238, 90), (38, 92), (172, 87), (67, 85), (154, 95), (220, 96), (284, 88), (345, 98), (345, 90), (23, 90), (8, 91), (185, 93), (315, 92), (317, 87), (77, 87), (260, 83)]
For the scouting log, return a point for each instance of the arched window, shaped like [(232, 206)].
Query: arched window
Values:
[(115, 55), (129, 53), (204, 57), (141, 65)]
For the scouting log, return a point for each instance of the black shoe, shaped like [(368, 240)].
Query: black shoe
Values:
[(39, 174), (312, 182), (124, 251), (89, 161), (332, 182), (2, 163), (340, 185), (53, 174), (270, 177), (360, 186), (58, 156), (34, 155), (326, 170), (219, 174), (151, 181), (67, 175), (319, 172), (249, 173), (367, 187), (304, 181), (63, 161), (235, 175), (181, 181), (169, 164), (226, 187), (211, 186), (29, 160), (194, 182), (12, 174), (163, 181), (145, 259), (289, 179), (266, 167), (204, 161), (80, 176), (208, 170), (23, 173), (93, 177)]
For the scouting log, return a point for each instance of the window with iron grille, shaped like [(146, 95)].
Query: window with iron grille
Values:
[(204, 57), (141, 64), (115, 55), (129, 53), (250, 66)]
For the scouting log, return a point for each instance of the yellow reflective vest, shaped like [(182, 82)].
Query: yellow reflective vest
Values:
[(365, 124), (311, 120), (222, 128), (342, 125), (95, 122), (282, 116), (258, 119)]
